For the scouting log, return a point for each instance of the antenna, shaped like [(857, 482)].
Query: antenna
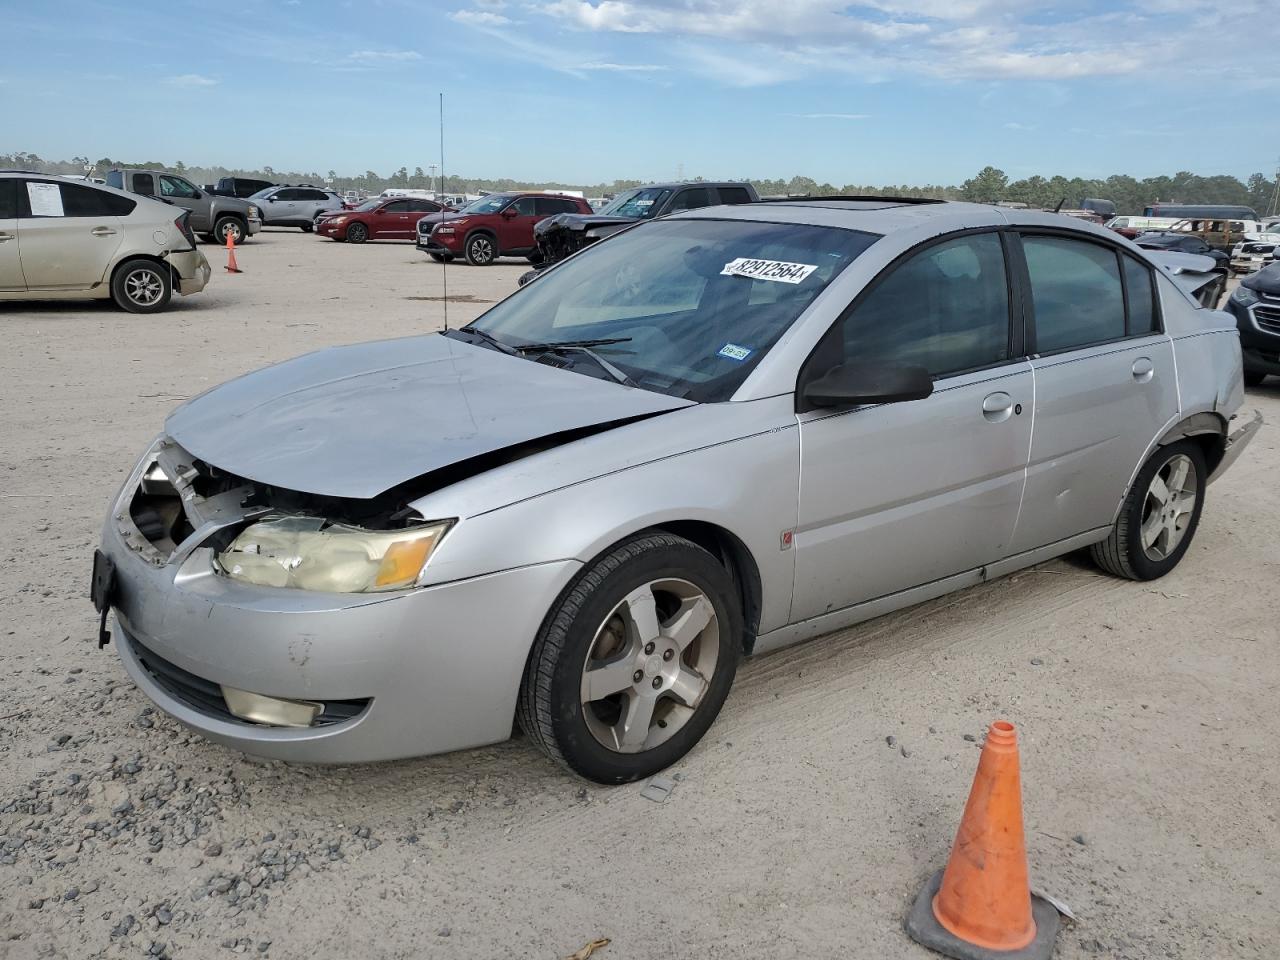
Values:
[(444, 264)]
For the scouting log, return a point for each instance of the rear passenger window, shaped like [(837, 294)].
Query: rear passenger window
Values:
[(1076, 292), (87, 202), (144, 184), (734, 195), (946, 309), (1140, 297), (691, 199)]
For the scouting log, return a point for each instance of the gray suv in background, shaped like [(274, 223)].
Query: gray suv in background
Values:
[(293, 206), (213, 217)]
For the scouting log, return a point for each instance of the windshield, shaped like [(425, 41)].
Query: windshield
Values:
[(373, 204), (691, 305), (490, 204), (637, 204)]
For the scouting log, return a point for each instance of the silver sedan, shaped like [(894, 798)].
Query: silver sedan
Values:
[(710, 436)]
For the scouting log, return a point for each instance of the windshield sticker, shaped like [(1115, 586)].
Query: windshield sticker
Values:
[(734, 352), (643, 203), (46, 199), (776, 270)]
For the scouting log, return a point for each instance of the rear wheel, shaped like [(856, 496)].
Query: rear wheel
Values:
[(481, 250), (357, 233), (1253, 377), (141, 286), (308, 227), (635, 660), (1159, 517)]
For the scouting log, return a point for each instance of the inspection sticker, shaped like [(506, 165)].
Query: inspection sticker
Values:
[(777, 270), (734, 352)]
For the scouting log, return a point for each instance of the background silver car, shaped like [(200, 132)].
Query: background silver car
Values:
[(65, 240), (711, 435), (295, 206)]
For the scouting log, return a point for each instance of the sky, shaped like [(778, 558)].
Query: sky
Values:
[(586, 91)]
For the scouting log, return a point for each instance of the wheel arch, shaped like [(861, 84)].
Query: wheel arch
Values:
[(150, 258), (1208, 430), (486, 231)]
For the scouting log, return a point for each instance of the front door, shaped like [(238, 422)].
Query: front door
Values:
[(68, 235), (10, 262), (1106, 387), (282, 206), (898, 495), (395, 221), (515, 230), (182, 194)]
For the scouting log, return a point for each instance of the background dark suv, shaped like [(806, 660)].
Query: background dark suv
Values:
[(499, 225), (242, 187)]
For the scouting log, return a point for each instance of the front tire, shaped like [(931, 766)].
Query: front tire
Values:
[(229, 226), (141, 286), (481, 250), (357, 233), (634, 661), (308, 227), (1159, 517)]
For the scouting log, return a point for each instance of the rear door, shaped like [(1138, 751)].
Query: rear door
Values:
[(68, 234), (10, 261), (898, 495), (1105, 383)]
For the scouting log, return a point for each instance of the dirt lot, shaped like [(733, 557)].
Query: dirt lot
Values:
[(826, 793)]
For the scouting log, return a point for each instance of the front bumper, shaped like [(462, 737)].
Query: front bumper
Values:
[(254, 225), (440, 667), (192, 270), (449, 245), (1259, 326)]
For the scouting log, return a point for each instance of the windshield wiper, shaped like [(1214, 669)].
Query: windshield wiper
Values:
[(488, 338), (584, 347)]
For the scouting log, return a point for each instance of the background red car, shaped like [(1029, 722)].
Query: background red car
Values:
[(382, 218), (499, 225)]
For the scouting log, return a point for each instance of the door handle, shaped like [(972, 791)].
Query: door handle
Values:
[(1143, 370), (103, 232), (997, 407), (5, 236)]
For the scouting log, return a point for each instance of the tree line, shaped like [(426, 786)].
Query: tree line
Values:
[(989, 185)]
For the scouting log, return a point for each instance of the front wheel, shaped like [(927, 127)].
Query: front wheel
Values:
[(308, 227), (141, 286), (481, 250), (634, 661), (229, 227), (357, 233), (1159, 517)]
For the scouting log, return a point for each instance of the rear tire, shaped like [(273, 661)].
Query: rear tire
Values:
[(308, 227), (616, 695), (357, 233), (141, 286), (1253, 377), (481, 250), (1159, 517)]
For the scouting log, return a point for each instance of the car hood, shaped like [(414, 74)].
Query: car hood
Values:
[(355, 421), (580, 222), (1266, 280)]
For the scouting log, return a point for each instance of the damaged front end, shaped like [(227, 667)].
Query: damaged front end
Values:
[(564, 234)]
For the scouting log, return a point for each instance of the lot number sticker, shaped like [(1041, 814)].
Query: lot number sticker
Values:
[(46, 199), (734, 352), (777, 270)]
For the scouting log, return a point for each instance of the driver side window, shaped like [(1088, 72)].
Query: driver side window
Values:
[(945, 309), (525, 206), (173, 187)]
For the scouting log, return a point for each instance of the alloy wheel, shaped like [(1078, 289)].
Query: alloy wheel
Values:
[(481, 250), (649, 666), (143, 287), (1169, 506)]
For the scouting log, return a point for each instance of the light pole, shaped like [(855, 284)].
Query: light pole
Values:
[(432, 168)]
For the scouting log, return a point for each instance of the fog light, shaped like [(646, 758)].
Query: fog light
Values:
[(271, 710)]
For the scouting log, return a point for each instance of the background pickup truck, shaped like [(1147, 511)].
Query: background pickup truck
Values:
[(559, 236), (213, 217)]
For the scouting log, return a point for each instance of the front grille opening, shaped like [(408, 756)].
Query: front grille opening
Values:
[(206, 696)]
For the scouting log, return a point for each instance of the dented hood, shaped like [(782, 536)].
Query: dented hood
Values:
[(355, 421)]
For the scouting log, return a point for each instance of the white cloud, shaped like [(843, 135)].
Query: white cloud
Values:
[(625, 67), (831, 116), (1015, 125), (190, 80), (478, 18), (383, 56)]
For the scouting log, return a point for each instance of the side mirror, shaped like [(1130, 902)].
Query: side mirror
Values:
[(510, 212), (271, 199), (854, 384)]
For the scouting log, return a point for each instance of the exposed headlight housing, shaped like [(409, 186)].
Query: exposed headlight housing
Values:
[(310, 553), (254, 212), (1244, 296)]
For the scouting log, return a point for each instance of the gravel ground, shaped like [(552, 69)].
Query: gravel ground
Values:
[(818, 804)]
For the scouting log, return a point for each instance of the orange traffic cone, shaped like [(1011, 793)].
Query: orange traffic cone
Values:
[(231, 254), (981, 907)]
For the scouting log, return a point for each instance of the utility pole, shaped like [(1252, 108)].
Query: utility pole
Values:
[(1275, 196)]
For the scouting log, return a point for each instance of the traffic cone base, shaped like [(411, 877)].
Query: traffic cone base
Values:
[(923, 927)]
